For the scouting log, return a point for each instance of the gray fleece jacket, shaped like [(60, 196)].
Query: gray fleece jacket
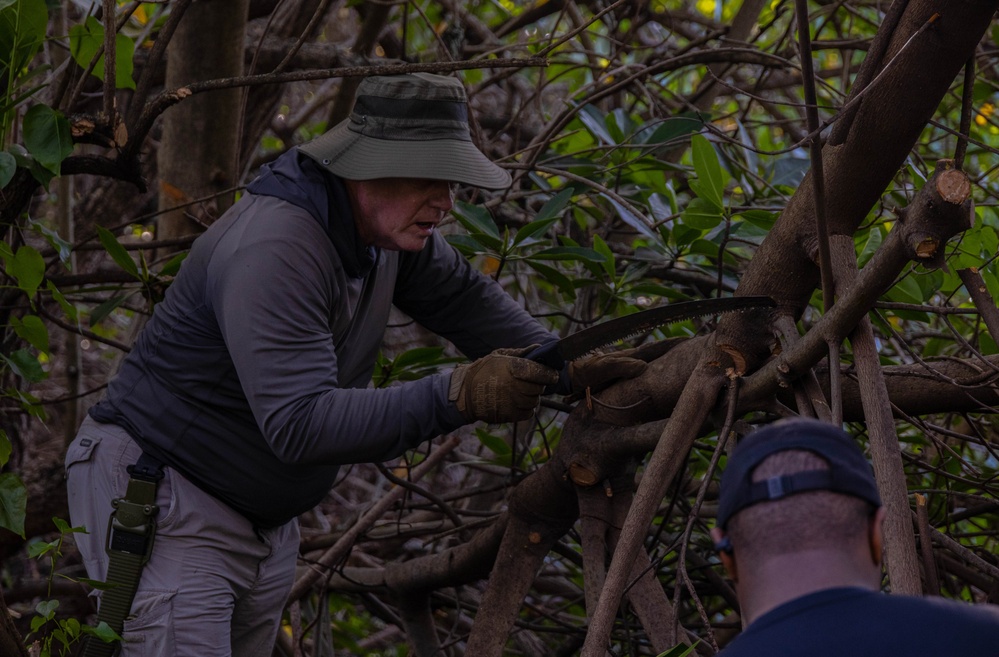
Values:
[(250, 377)]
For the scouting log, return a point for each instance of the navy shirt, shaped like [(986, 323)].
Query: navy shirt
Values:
[(854, 622)]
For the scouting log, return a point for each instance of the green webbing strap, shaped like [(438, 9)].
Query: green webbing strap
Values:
[(131, 529)]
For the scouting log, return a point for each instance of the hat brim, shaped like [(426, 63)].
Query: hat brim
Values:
[(354, 156)]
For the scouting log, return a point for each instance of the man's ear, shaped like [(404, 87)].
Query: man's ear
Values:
[(875, 536), (725, 553)]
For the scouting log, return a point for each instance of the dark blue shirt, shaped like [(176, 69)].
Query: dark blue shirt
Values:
[(853, 622)]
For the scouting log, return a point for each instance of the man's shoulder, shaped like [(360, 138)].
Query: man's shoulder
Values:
[(867, 623)]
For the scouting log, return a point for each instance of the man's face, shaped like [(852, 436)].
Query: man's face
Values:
[(399, 214)]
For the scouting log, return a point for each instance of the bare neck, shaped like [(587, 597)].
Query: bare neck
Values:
[(772, 582)]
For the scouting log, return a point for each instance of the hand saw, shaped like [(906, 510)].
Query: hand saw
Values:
[(556, 353)]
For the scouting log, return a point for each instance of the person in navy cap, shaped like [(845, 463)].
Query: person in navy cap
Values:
[(799, 532)]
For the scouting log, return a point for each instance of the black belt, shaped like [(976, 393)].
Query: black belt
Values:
[(130, 534)]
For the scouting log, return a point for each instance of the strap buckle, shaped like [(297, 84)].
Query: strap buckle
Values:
[(132, 525)]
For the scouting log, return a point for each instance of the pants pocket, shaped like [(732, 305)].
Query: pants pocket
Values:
[(81, 450), (148, 631)]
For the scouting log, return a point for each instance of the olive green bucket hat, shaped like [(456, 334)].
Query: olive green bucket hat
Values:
[(407, 126)]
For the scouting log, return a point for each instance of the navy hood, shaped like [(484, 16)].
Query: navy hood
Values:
[(296, 178)]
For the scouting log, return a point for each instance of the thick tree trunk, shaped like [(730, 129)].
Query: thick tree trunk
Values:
[(198, 154)]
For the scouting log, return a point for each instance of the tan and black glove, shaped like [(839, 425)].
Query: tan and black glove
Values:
[(500, 387), (599, 371)]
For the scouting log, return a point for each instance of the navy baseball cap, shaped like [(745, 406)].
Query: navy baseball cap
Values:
[(849, 472)]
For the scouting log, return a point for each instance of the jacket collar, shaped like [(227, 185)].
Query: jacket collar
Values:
[(295, 178)]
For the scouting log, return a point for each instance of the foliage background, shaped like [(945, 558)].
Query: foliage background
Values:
[(654, 148)]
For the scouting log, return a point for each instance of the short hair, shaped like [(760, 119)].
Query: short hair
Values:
[(803, 521)]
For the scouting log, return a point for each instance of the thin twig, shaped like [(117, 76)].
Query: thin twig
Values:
[(967, 103), (167, 99), (732, 403), (926, 546), (110, 74)]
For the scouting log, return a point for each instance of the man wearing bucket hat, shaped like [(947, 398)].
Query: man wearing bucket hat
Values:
[(799, 531), (248, 387)]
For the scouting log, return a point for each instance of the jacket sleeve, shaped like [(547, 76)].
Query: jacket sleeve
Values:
[(272, 295), (441, 290)]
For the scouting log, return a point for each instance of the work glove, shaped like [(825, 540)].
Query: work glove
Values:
[(500, 387), (599, 371)]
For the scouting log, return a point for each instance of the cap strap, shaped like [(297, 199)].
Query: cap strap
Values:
[(775, 488)]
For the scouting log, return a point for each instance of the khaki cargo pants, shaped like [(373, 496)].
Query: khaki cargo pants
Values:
[(214, 584)]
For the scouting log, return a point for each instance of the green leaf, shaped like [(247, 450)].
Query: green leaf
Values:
[(96, 584), (29, 402), (704, 193), (64, 527), (760, 218), (494, 443), (906, 290), (618, 124), (41, 548), (874, 238), (701, 214), (47, 137), (72, 626), (173, 264), (25, 160), (467, 245), (28, 269), (26, 366), (22, 31), (990, 241), (568, 253), (553, 207), (67, 308), (476, 219), (595, 122), (13, 503), (117, 252), (555, 277), (47, 608), (679, 650), (477, 243), (709, 170), (662, 209), (674, 128), (656, 290), (103, 632), (31, 329), (632, 219), (684, 234), (419, 356), (536, 227), (64, 248), (8, 165), (5, 448), (600, 246), (963, 260), (98, 314), (84, 42)]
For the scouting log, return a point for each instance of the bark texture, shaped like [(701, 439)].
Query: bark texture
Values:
[(198, 152)]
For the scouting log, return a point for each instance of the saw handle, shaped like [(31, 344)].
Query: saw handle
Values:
[(547, 354)]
